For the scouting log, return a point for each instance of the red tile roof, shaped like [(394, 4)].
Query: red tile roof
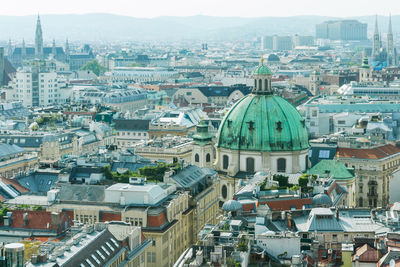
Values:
[(287, 204), (366, 253), (368, 153), (247, 207), (110, 216), (38, 220)]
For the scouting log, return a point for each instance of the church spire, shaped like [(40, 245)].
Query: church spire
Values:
[(66, 47), (38, 39), (54, 49), (391, 58), (376, 25), (9, 52), (23, 49), (376, 41)]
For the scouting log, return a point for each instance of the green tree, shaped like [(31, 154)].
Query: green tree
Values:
[(282, 180), (94, 66), (303, 181)]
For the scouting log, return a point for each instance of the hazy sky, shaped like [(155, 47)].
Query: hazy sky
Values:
[(243, 8)]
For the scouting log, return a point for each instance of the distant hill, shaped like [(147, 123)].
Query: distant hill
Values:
[(109, 27)]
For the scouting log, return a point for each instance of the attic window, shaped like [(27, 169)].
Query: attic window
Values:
[(251, 125), (279, 126)]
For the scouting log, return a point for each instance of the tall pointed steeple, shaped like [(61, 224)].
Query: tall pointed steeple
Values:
[(391, 58), (39, 40), (54, 49), (10, 50), (376, 43), (66, 47), (23, 50)]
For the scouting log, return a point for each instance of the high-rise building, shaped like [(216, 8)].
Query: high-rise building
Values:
[(35, 86), (267, 42), (299, 40), (345, 30), (282, 43)]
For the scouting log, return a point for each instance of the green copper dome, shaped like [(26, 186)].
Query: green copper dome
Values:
[(263, 123), (262, 70)]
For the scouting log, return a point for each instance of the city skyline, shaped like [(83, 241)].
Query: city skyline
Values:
[(235, 8)]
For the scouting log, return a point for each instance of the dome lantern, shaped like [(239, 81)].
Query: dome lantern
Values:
[(262, 79)]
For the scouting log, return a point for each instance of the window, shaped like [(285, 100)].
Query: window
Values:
[(281, 165), (208, 157), (224, 191), (196, 158), (225, 162), (250, 165), (324, 154)]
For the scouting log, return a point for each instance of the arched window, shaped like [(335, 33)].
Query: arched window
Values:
[(281, 165), (360, 202), (224, 191), (196, 158), (255, 83), (225, 162), (250, 165), (208, 157), (259, 84)]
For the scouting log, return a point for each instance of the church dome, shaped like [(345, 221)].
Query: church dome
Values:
[(232, 205), (263, 122), (262, 70), (321, 200)]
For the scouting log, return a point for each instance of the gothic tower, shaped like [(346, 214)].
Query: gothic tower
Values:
[(66, 50), (10, 50), (54, 49), (39, 40), (23, 50), (391, 59), (376, 42)]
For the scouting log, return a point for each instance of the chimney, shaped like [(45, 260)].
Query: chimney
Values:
[(289, 220), (55, 218), (25, 218)]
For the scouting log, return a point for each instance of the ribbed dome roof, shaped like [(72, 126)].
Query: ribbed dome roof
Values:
[(321, 199), (263, 123), (232, 205), (262, 70)]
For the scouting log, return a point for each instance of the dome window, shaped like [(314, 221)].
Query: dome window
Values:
[(196, 158), (251, 125), (279, 126), (208, 157)]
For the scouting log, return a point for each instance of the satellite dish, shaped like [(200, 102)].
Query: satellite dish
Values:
[(392, 263)]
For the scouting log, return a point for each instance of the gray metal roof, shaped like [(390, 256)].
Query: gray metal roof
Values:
[(7, 150), (191, 175), (81, 193)]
